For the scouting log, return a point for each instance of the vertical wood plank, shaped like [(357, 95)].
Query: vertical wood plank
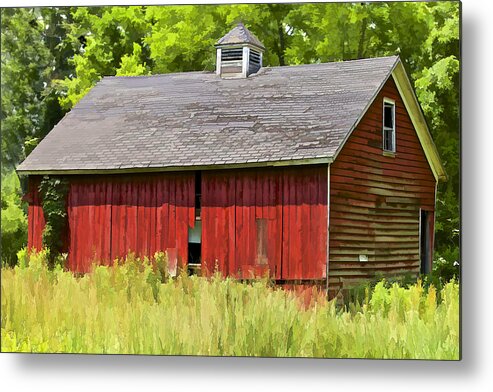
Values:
[(108, 187), (172, 213), (165, 214), (307, 244), (72, 210), (231, 222), (130, 223), (115, 220), (285, 225)]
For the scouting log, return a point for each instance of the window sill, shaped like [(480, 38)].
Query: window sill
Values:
[(390, 154)]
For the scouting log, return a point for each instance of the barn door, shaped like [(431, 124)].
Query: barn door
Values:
[(258, 236), (242, 222), (143, 214), (304, 223)]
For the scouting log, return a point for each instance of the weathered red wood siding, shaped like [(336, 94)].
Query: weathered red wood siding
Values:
[(275, 220), (112, 216), (35, 217), (375, 199)]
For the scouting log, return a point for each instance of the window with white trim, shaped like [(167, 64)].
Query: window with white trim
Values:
[(388, 125)]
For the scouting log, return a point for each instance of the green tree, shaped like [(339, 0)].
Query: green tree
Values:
[(104, 40), (34, 53), (25, 64), (14, 219)]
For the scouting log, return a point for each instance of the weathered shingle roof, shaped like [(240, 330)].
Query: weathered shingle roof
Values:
[(198, 119), (240, 35)]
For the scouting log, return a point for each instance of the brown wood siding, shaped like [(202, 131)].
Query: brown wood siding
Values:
[(375, 199)]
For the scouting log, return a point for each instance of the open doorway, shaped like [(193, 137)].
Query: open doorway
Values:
[(425, 243), (195, 233)]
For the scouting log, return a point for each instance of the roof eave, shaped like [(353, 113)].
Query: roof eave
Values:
[(129, 170)]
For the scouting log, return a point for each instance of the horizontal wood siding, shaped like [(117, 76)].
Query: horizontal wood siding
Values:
[(109, 217), (375, 199), (269, 220), (35, 217)]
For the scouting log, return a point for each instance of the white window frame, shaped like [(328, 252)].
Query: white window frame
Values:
[(384, 129)]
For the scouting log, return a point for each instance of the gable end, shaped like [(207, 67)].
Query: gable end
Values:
[(411, 104)]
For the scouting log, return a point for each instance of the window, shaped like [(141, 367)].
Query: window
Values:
[(388, 125)]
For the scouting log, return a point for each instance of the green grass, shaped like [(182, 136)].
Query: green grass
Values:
[(126, 309)]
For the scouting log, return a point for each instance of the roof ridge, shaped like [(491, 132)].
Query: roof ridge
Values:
[(154, 75), (265, 68), (337, 62)]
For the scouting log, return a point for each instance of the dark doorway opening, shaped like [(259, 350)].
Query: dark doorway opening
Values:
[(425, 242), (195, 233), (194, 251)]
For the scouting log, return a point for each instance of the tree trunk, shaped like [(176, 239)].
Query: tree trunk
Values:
[(282, 44), (361, 44)]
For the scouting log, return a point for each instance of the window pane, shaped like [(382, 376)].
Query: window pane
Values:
[(388, 115), (388, 140)]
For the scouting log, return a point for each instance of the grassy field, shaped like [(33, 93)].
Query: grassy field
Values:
[(127, 309)]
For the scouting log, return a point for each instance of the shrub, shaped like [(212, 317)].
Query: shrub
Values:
[(53, 192), (446, 265)]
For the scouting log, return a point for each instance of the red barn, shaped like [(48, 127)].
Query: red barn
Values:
[(320, 173)]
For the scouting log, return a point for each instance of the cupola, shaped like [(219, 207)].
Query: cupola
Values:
[(239, 53)]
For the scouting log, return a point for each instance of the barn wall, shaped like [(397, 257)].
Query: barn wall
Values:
[(35, 217), (272, 220), (112, 216), (375, 199)]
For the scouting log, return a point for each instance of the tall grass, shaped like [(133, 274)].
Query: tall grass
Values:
[(127, 309)]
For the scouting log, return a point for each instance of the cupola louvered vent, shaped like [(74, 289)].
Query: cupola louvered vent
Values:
[(231, 61), (232, 55), (255, 61), (239, 53)]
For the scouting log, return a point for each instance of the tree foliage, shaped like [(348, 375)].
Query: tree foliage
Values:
[(51, 57), (14, 219), (34, 56)]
